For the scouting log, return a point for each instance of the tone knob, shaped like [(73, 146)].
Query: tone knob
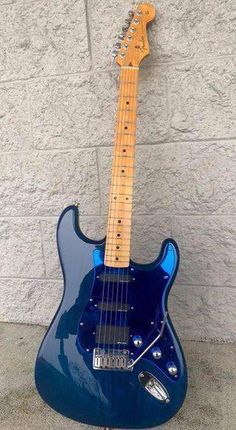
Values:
[(156, 352), (138, 341), (172, 368)]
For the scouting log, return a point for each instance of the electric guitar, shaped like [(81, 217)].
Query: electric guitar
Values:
[(111, 356)]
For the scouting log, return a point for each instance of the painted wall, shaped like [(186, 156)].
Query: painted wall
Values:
[(58, 89)]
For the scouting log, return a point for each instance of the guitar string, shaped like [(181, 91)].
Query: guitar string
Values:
[(113, 225), (119, 300), (127, 271), (127, 141), (123, 310)]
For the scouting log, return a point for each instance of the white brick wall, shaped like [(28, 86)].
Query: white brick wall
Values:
[(57, 102)]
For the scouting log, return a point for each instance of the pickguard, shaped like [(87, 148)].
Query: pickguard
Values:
[(125, 305)]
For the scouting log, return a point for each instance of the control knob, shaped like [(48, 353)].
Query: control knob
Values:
[(172, 368), (138, 341), (156, 352)]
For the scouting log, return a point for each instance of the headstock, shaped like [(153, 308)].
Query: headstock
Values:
[(133, 45)]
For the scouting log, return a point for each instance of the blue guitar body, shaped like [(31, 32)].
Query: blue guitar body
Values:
[(116, 314)]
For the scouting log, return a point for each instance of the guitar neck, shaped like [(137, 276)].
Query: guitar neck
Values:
[(117, 253)]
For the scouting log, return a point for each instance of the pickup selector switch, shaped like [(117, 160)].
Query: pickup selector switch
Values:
[(156, 353), (138, 341)]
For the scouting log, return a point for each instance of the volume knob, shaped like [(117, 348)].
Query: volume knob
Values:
[(156, 353), (138, 341), (172, 368)]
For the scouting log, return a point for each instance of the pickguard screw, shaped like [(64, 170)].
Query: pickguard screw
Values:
[(132, 308), (90, 300), (141, 375), (87, 350), (133, 279), (81, 324), (95, 305), (152, 322)]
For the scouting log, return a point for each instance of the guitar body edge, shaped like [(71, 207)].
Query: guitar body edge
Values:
[(64, 373)]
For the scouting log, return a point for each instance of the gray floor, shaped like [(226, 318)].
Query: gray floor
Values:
[(211, 401)]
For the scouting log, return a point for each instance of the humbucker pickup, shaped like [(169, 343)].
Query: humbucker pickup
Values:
[(115, 277), (113, 307), (111, 335)]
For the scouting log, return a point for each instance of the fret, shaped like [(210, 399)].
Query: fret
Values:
[(121, 185), (127, 122), (127, 96), (117, 258), (124, 165), (117, 210), (126, 194), (116, 226), (126, 110), (123, 176), (125, 134), (127, 82), (114, 243)]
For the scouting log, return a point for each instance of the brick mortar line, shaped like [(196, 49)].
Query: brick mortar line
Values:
[(99, 183), (105, 146), (135, 215), (99, 71), (42, 248), (60, 280), (89, 35)]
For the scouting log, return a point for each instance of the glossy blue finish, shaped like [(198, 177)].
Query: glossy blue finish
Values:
[(64, 374)]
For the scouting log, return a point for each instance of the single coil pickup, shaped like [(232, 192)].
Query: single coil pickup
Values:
[(112, 335), (116, 278), (113, 307)]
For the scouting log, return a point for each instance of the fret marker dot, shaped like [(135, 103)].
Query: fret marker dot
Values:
[(127, 198), (124, 150), (127, 103), (126, 128), (118, 235), (117, 258), (117, 247), (123, 171), (119, 221)]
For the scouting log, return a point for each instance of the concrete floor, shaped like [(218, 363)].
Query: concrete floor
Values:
[(210, 404)]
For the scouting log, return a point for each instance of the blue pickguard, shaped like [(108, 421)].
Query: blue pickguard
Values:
[(64, 373)]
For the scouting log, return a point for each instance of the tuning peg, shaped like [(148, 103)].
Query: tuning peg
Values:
[(121, 36), (114, 54), (128, 21), (131, 13), (125, 28), (118, 45)]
